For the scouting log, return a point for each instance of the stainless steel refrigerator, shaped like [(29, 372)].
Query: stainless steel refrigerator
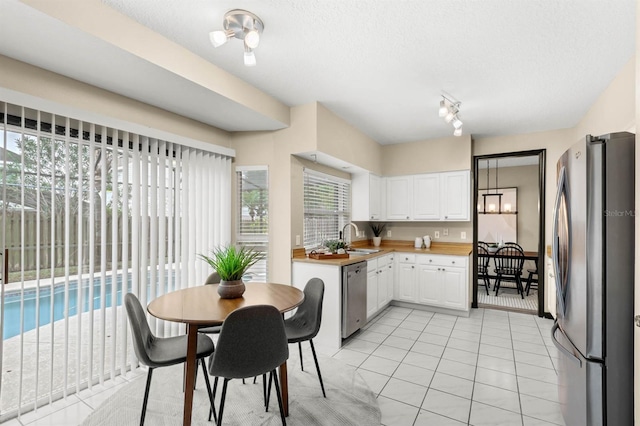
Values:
[(593, 254)]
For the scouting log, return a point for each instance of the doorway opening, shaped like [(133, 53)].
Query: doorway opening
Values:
[(509, 207)]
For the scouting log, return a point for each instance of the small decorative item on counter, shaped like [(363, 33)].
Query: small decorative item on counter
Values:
[(427, 241), (377, 229), (418, 242), (334, 245)]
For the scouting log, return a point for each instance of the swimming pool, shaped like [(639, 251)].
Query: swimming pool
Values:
[(12, 313)]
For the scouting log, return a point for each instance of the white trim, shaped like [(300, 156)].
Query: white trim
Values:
[(40, 104), (326, 175), (250, 168)]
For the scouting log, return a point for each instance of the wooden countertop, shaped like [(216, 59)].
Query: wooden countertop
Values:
[(450, 249)]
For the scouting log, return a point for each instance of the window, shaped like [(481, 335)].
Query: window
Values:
[(327, 207), (87, 214), (252, 217)]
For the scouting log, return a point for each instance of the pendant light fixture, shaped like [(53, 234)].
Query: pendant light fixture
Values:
[(242, 25), (491, 206)]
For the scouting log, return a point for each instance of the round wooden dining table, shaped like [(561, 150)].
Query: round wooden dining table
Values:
[(202, 306)]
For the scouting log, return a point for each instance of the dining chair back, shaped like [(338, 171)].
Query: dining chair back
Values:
[(305, 323), (157, 352), (513, 244), (483, 267), (483, 245), (252, 342), (213, 278), (509, 261)]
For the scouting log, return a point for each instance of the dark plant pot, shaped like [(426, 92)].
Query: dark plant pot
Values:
[(231, 289)]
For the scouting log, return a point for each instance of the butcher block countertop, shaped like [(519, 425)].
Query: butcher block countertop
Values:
[(390, 246)]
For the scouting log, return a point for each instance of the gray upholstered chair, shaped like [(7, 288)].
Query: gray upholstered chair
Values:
[(252, 342), (305, 323), (214, 278), (157, 352)]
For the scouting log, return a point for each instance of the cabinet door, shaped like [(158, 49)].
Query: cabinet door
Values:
[(429, 284), (454, 288), (390, 280), (374, 198), (383, 282), (455, 195), (399, 197), (372, 293), (426, 197), (405, 282)]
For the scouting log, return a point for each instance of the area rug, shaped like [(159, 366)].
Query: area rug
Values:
[(349, 400)]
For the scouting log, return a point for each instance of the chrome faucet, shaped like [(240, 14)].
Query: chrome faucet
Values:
[(342, 234)]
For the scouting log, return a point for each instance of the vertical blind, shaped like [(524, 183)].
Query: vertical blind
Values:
[(252, 216), (327, 207), (89, 213)]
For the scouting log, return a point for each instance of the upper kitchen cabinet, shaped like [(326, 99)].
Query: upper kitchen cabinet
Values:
[(454, 195), (366, 197), (429, 197), (426, 198), (399, 198)]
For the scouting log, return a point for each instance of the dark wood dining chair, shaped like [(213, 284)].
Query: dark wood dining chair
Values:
[(483, 267), (513, 244), (530, 281), (509, 261)]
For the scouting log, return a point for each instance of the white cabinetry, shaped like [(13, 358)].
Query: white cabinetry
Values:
[(429, 197), (454, 195), (399, 197), (426, 197), (366, 197), (379, 284), (405, 282), (442, 281)]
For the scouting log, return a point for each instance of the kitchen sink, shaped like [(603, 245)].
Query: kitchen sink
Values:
[(362, 252)]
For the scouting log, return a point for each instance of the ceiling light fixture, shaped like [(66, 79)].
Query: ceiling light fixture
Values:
[(449, 110), (242, 25)]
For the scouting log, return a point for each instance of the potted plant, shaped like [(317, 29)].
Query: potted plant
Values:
[(377, 229), (231, 263), (334, 245)]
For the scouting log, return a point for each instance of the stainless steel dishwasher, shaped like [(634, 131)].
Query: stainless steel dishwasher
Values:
[(354, 297)]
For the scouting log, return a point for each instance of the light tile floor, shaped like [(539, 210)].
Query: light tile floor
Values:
[(493, 368)]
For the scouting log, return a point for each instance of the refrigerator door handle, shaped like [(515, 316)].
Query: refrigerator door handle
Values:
[(561, 348), (560, 275)]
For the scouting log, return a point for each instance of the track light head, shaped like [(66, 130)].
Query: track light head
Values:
[(242, 25)]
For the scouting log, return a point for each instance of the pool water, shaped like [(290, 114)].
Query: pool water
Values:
[(12, 309)]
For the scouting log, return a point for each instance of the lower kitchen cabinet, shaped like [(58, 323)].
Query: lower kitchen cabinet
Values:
[(379, 284), (433, 280)]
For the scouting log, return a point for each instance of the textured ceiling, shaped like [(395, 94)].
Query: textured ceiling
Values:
[(517, 66)]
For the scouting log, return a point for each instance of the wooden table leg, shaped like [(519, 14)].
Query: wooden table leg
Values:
[(192, 346), (284, 388)]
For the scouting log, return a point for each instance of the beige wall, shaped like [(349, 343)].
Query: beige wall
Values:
[(525, 178), (341, 140), (102, 105), (436, 155)]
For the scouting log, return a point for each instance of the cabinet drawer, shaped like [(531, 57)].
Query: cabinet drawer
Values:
[(372, 265), (405, 258), (438, 260)]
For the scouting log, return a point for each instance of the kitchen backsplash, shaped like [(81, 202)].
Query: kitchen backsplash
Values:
[(410, 230)]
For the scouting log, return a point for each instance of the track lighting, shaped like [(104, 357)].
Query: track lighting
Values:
[(242, 25), (449, 110)]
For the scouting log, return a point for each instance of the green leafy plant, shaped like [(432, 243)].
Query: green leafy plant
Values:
[(335, 245), (377, 228), (231, 262)]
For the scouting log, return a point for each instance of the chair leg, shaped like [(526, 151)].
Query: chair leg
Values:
[(275, 380), (264, 388), (315, 358), (213, 396), (496, 286), (224, 394), (300, 350), (529, 279), (206, 381), (519, 285), (485, 280), (146, 396), (266, 403)]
